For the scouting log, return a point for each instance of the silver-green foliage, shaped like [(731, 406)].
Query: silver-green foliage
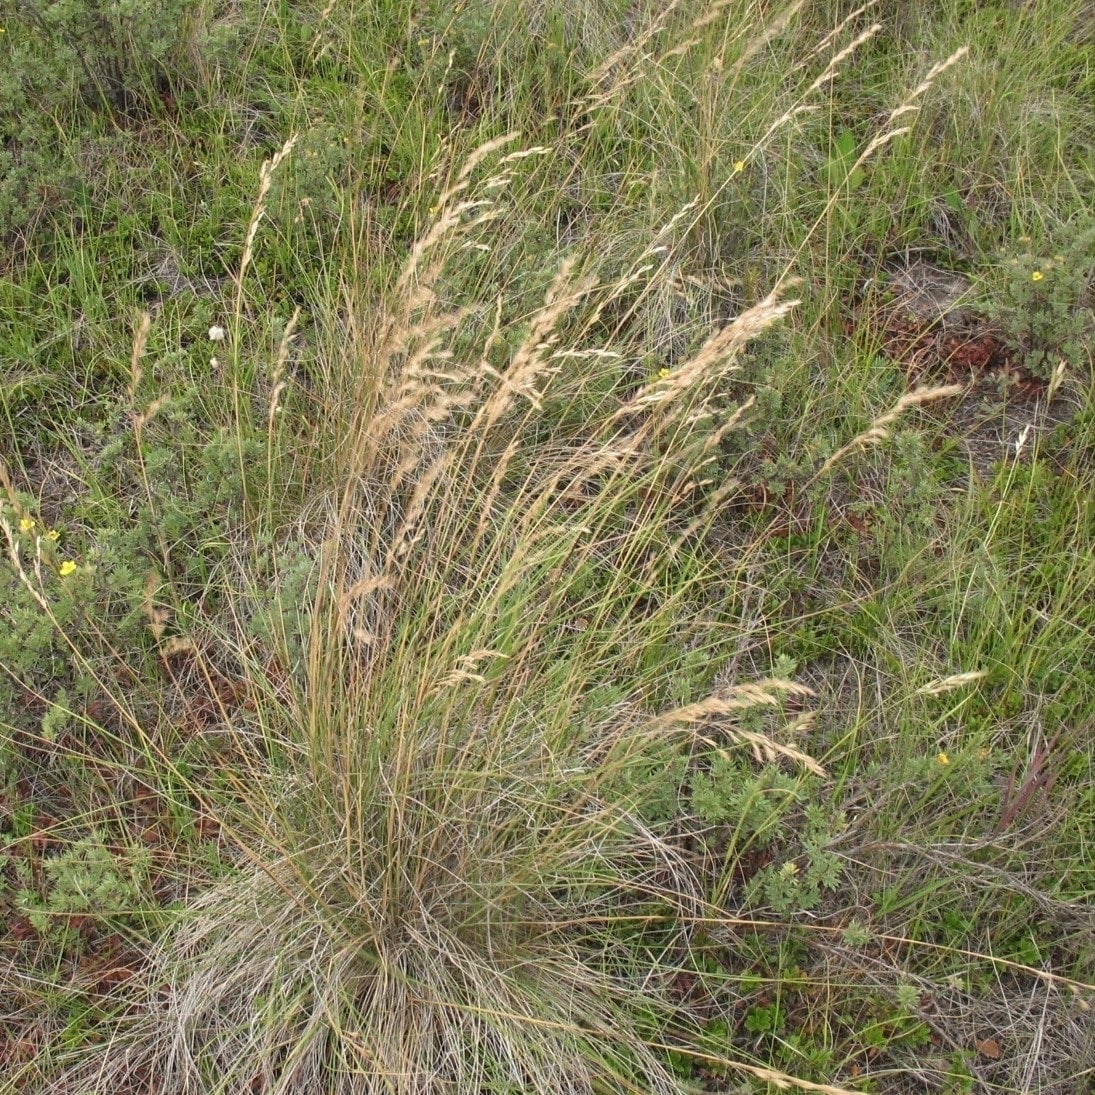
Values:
[(1044, 305), (110, 54), (70, 69), (85, 880)]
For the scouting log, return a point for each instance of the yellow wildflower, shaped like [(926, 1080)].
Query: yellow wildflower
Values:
[(53, 535), (1037, 275), (27, 524), (68, 567), (664, 374), (739, 167), (943, 760)]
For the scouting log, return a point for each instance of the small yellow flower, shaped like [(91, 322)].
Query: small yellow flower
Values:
[(53, 535), (739, 167), (68, 567), (943, 760), (664, 374), (1037, 275), (27, 524)]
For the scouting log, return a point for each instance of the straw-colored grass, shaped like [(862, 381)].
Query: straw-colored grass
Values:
[(437, 878)]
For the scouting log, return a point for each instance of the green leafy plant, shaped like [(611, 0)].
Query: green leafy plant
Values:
[(76, 77), (1045, 303), (85, 882), (114, 55)]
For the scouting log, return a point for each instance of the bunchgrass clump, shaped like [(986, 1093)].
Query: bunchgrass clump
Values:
[(445, 877)]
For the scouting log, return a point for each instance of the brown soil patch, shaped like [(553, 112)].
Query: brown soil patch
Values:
[(922, 316), (924, 323)]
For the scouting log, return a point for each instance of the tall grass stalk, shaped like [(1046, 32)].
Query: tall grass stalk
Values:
[(443, 857)]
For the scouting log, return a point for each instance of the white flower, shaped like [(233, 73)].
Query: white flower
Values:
[(216, 334)]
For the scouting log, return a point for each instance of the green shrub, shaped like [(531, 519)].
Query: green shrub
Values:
[(76, 71), (113, 55), (1045, 299), (85, 882)]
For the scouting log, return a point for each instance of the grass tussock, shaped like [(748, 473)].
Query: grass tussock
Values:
[(434, 882)]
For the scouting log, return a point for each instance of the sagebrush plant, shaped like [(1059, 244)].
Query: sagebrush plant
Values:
[(76, 74), (35, 649), (86, 881), (103, 54)]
